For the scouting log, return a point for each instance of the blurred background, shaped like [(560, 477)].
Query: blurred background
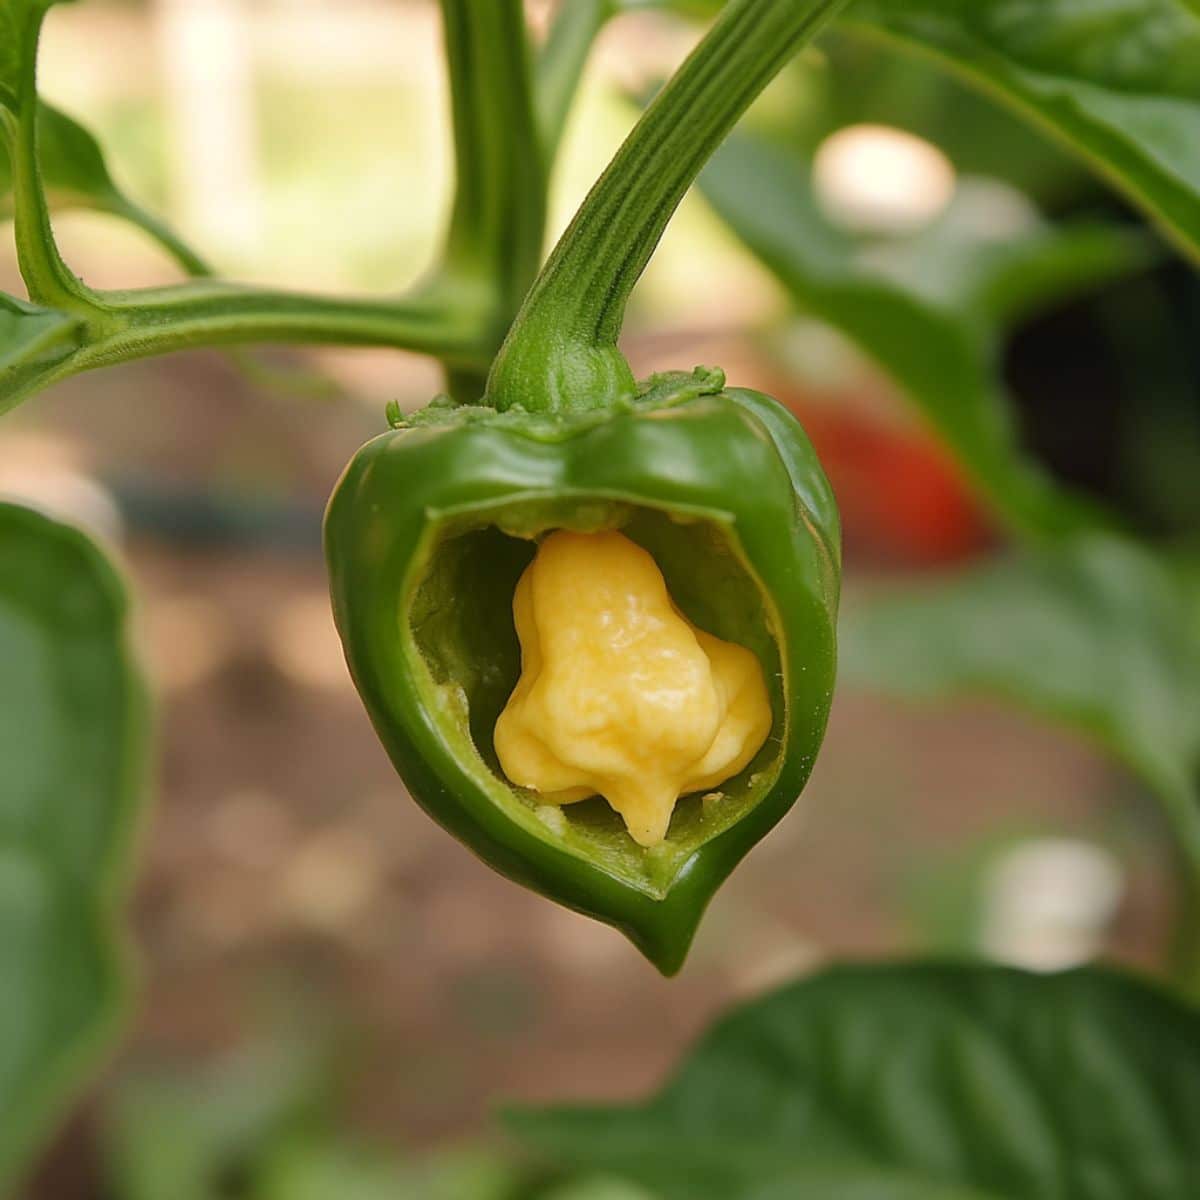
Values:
[(329, 982)]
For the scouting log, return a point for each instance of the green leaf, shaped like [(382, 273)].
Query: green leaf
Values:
[(72, 771), (929, 313), (917, 1081), (75, 175), (1100, 635), (1117, 80)]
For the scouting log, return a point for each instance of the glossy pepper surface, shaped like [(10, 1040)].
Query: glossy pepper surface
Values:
[(427, 535)]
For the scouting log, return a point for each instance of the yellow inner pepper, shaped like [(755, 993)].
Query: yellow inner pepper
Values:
[(620, 694)]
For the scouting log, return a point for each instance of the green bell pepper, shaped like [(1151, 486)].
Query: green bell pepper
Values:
[(433, 524), (427, 534)]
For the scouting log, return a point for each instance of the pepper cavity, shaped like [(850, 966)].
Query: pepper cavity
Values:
[(619, 694)]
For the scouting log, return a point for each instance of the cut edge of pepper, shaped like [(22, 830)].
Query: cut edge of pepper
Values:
[(591, 831)]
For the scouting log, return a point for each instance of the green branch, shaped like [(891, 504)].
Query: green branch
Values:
[(561, 353), (141, 324), (561, 63), (492, 249), (168, 240), (49, 280), (497, 223)]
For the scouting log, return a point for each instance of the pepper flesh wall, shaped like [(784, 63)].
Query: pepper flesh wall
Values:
[(620, 695)]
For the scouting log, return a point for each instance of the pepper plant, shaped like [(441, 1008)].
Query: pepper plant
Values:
[(884, 1081)]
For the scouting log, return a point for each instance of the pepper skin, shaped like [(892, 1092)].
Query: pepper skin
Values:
[(433, 524)]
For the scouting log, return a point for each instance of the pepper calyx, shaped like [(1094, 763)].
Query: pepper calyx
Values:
[(663, 390)]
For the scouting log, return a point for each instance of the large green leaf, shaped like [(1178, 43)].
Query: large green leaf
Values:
[(930, 314), (72, 770), (1100, 635), (1117, 80), (919, 1081)]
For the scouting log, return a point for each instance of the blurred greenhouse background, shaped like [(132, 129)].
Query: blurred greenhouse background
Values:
[(332, 984)]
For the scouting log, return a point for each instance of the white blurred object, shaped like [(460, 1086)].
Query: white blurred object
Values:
[(1048, 903), (208, 71), (876, 179), (44, 474), (989, 210)]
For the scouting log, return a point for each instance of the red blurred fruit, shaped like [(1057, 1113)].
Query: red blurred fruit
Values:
[(903, 498)]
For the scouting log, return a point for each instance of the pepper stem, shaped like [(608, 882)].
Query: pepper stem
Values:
[(561, 353)]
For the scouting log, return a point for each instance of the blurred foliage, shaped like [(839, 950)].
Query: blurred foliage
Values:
[(76, 176), (193, 1134), (1148, 328), (266, 1123), (1099, 634), (349, 216), (73, 745), (929, 309), (854, 80), (945, 898), (1117, 82), (915, 1082), (872, 1082), (1095, 633)]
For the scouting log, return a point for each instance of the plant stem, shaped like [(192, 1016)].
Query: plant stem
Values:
[(216, 314), (185, 257), (48, 279), (493, 245), (141, 324), (561, 63), (497, 223), (561, 352)]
